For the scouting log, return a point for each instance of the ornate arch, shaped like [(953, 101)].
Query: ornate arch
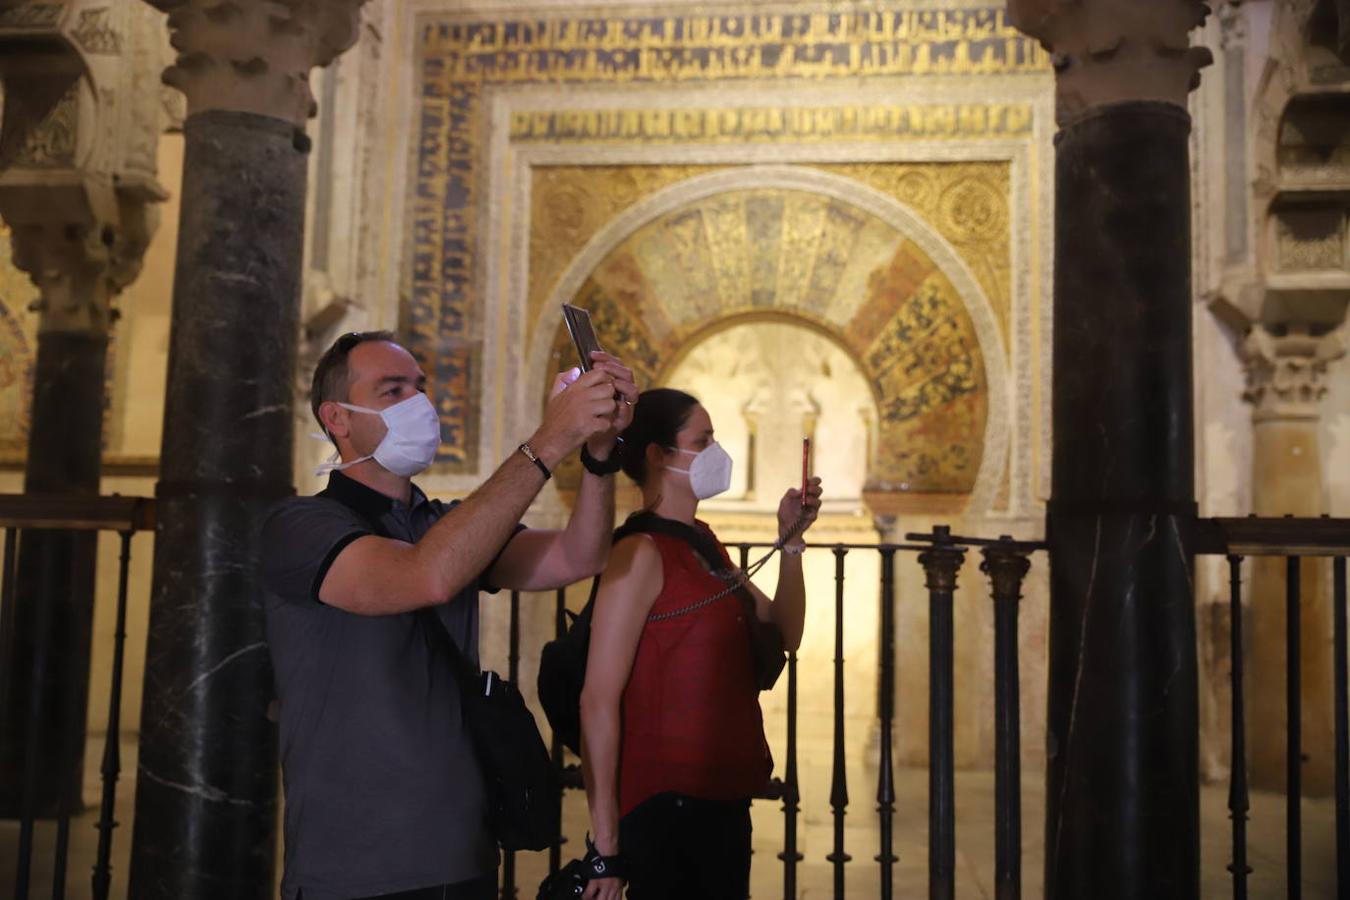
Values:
[(918, 323)]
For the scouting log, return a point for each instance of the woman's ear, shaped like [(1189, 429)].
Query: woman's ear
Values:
[(655, 458)]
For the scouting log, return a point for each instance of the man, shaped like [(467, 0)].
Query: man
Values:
[(383, 794)]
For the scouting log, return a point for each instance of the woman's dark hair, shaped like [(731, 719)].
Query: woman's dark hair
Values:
[(658, 416)]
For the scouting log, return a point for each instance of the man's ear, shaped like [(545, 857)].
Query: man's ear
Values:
[(336, 420)]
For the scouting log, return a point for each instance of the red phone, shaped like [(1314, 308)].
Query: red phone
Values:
[(806, 463)]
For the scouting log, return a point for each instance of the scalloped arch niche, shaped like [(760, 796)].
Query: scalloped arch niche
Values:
[(774, 253)]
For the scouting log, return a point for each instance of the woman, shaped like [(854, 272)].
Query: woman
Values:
[(672, 736)]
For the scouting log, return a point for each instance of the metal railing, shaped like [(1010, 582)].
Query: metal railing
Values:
[(941, 555), (1293, 540), (28, 515)]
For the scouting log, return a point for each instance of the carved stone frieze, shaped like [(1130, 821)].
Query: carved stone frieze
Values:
[(255, 55), (95, 32), (36, 16), (48, 133), (1116, 51), (1286, 373)]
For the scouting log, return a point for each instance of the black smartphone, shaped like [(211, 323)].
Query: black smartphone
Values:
[(583, 333)]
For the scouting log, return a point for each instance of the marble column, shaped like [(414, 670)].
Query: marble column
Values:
[(78, 192), (46, 669), (1122, 787), (206, 794), (1286, 376)]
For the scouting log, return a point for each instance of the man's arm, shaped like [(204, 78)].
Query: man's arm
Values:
[(540, 560), (379, 576)]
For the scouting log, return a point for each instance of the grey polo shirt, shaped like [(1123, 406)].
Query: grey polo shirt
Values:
[(383, 792)]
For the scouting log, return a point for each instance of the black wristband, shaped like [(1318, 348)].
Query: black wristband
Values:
[(539, 463), (600, 467), (597, 866)]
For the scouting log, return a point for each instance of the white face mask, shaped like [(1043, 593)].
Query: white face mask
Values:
[(709, 473), (410, 443)]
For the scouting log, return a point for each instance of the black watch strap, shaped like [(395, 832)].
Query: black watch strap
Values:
[(598, 467)]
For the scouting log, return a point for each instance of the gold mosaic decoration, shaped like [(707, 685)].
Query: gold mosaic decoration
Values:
[(805, 256), (461, 55)]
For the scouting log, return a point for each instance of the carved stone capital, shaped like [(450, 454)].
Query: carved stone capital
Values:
[(1116, 51), (81, 242), (1232, 24), (1286, 373), (255, 55)]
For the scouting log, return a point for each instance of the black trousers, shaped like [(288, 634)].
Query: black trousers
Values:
[(683, 847), (478, 889)]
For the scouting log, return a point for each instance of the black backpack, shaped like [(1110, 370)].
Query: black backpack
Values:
[(562, 664)]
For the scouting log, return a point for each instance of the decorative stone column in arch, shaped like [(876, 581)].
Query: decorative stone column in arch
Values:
[(206, 798)]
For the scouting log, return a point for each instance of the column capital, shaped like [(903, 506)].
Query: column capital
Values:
[(1116, 51), (1232, 24), (79, 263), (254, 56), (1286, 372)]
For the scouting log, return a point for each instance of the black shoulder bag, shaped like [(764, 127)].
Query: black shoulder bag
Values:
[(524, 796)]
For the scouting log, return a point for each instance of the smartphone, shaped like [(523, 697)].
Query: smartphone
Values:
[(583, 333), (806, 464)]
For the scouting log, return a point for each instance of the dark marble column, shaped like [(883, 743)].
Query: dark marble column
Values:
[(206, 792), (1122, 792), (208, 765), (78, 193), (44, 660), (1122, 786)]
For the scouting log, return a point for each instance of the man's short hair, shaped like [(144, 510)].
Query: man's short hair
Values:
[(331, 378)]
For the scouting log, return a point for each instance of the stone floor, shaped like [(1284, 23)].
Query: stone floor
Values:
[(974, 834)]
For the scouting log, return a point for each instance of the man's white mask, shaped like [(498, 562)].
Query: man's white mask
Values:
[(410, 443)]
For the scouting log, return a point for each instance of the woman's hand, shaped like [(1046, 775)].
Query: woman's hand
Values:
[(604, 889), (794, 506)]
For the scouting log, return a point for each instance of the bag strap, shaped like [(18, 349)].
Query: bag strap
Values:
[(466, 671), (703, 545)]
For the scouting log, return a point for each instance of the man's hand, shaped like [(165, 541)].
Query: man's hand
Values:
[(794, 506), (580, 407), (602, 445)]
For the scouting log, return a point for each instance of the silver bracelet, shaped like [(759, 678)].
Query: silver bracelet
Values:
[(794, 551)]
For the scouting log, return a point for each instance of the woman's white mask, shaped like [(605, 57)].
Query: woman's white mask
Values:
[(709, 473), (410, 443)]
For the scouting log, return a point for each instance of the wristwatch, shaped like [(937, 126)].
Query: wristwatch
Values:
[(600, 467)]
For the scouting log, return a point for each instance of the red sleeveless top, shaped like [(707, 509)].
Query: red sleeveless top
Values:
[(691, 717)]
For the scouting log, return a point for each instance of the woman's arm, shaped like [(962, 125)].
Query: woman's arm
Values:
[(787, 609), (628, 589)]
